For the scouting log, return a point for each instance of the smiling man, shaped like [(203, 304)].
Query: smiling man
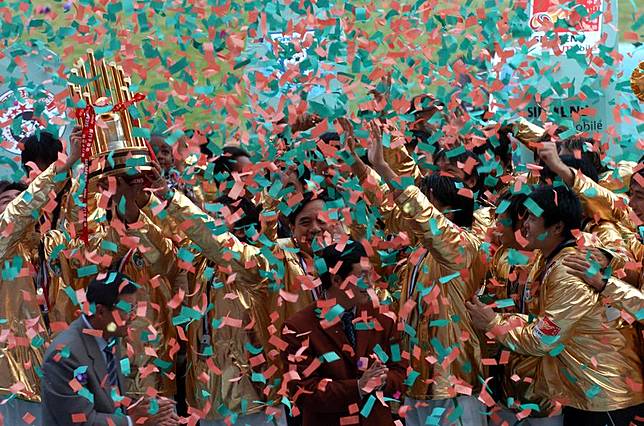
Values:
[(584, 362)]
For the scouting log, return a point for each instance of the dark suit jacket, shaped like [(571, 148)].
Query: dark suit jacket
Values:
[(59, 400), (324, 393)]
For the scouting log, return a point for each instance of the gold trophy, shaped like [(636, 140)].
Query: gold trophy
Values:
[(114, 149)]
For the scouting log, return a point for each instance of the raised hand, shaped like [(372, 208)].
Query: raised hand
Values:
[(549, 154), (376, 150), (75, 141)]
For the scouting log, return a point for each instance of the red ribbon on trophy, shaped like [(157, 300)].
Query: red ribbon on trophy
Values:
[(87, 118)]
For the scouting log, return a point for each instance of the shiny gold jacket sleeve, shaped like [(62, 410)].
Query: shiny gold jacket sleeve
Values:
[(155, 248), (625, 296), (449, 244), (223, 249), (25, 209), (601, 203), (401, 162), (566, 303), (378, 194)]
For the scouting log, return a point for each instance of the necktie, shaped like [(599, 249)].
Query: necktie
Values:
[(112, 372), (347, 324)]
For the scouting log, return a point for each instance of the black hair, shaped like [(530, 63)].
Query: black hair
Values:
[(5, 185), (445, 190), (441, 154), (329, 136), (578, 144), (308, 198), (516, 208), (559, 204), (500, 146), (225, 163), (639, 170), (106, 290), (576, 163), (250, 210), (40, 147), (352, 253)]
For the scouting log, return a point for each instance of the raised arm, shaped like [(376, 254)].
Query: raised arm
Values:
[(25, 210)]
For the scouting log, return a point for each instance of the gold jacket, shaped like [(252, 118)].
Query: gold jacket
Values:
[(604, 205), (23, 336), (625, 296), (142, 253), (289, 274), (220, 378), (578, 357), (445, 350), (619, 178)]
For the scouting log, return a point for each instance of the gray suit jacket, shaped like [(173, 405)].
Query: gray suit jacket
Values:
[(59, 401)]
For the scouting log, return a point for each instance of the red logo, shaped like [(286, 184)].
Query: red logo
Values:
[(548, 327), (540, 21)]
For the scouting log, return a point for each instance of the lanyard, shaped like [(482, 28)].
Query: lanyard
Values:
[(414, 275)]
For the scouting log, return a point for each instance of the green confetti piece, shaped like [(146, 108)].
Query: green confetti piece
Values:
[(411, 378), (439, 323), (252, 349), (504, 303), (334, 312), (140, 132), (125, 366), (368, 406), (533, 207), (109, 246), (330, 357), (85, 393), (86, 271), (381, 353)]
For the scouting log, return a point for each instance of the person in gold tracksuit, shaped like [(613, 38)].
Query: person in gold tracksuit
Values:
[(583, 361), (225, 356), (23, 304), (123, 238), (443, 272)]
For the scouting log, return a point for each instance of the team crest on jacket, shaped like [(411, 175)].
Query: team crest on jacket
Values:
[(35, 112), (546, 327)]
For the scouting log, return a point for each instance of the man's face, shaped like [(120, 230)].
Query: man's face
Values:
[(503, 232), (362, 272), (6, 197), (164, 155), (637, 197), (122, 315), (308, 225), (535, 232)]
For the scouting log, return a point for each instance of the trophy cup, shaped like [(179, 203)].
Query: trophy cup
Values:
[(114, 149)]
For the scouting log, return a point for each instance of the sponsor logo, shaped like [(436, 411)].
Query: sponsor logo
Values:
[(546, 327), (540, 21)]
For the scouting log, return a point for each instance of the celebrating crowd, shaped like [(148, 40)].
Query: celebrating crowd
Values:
[(405, 272)]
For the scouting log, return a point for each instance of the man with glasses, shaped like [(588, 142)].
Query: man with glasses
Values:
[(82, 376)]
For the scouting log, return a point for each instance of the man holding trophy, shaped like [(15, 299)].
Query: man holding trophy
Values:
[(113, 233)]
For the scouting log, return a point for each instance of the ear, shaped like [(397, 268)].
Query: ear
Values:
[(557, 229)]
